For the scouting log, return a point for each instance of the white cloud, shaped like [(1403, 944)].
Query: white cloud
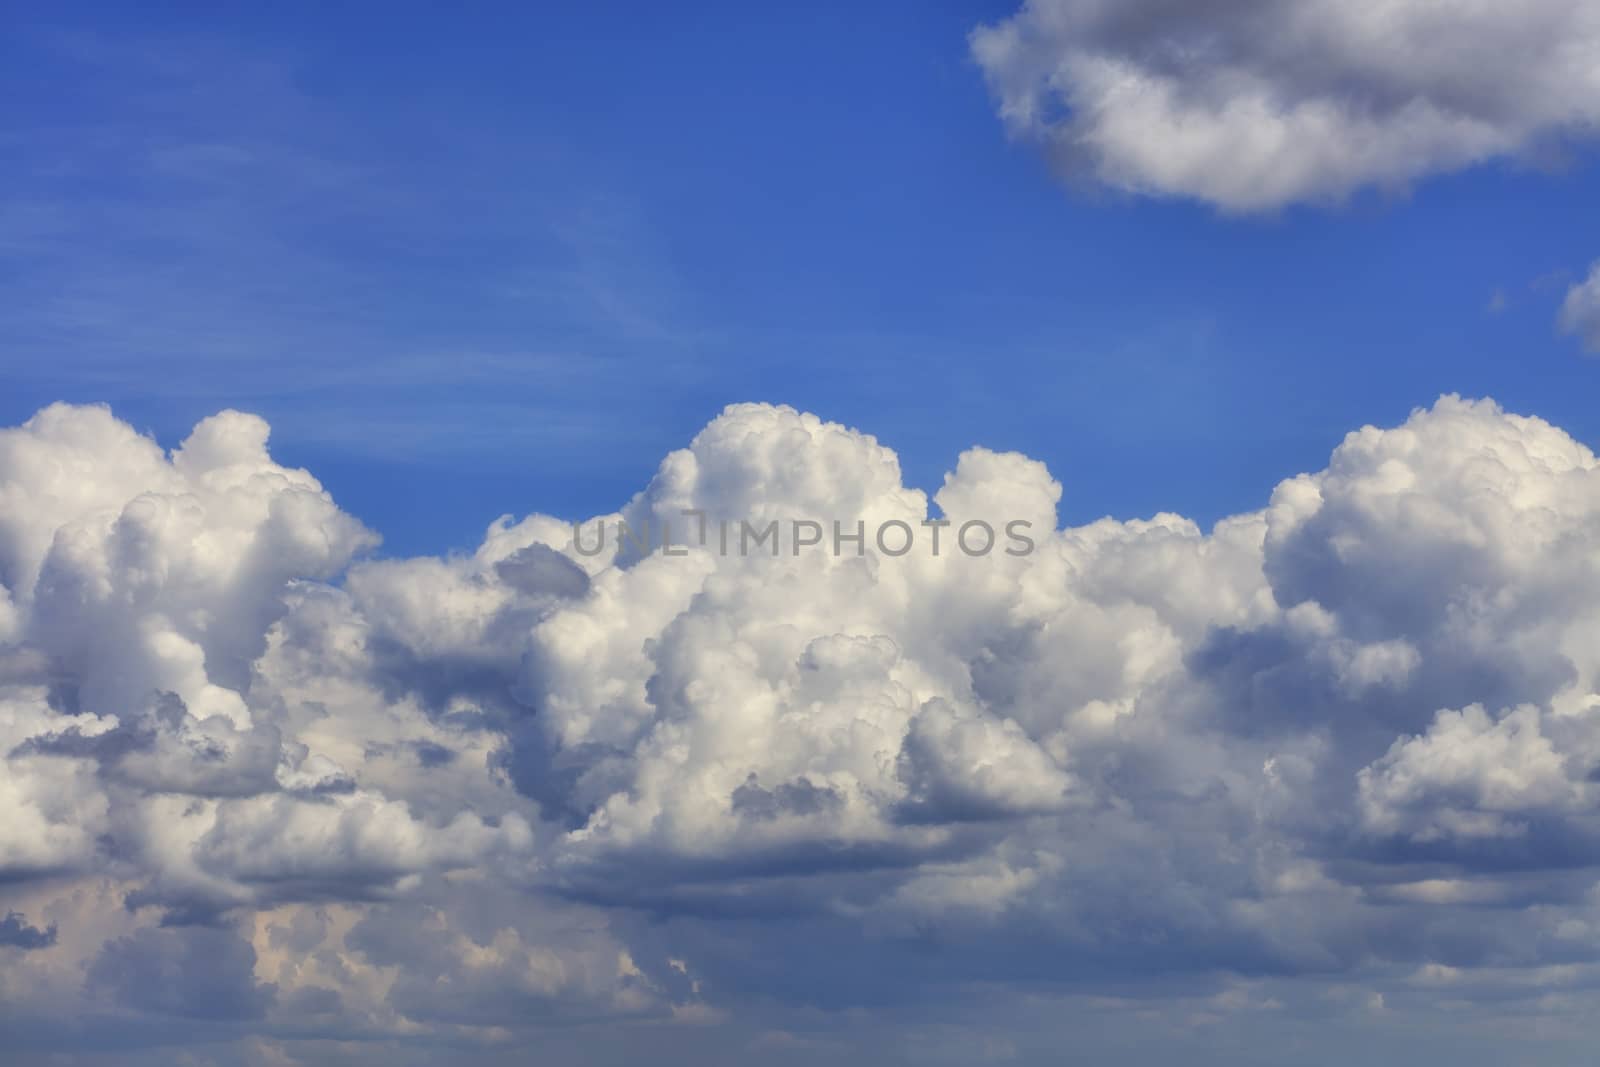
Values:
[(1253, 104), (1580, 311), (436, 796), (1471, 775)]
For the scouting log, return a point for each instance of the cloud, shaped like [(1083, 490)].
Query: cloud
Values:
[(15, 932), (262, 783), (1250, 105), (196, 972), (1473, 776), (1580, 311)]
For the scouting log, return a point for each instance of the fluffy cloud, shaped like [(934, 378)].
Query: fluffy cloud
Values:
[(1472, 776), (1580, 311), (1253, 104), (259, 782)]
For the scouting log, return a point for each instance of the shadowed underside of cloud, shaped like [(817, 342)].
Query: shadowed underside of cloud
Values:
[(1335, 759), (1251, 105)]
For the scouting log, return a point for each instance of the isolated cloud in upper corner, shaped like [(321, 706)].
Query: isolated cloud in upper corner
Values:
[(1580, 311), (1251, 105)]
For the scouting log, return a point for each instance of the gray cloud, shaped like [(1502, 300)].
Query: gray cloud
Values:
[(193, 972), (1254, 104), (15, 932)]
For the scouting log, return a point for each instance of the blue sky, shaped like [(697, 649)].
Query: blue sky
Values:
[(540, 249)]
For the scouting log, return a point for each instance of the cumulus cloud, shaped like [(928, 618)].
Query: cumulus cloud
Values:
[(1472, 776), (1580, 311), (260, 781), (1253, 104)]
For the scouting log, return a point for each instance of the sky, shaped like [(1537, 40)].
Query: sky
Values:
[(537, 249), (1260, 335)]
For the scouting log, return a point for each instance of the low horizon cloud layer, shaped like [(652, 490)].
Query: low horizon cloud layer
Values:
[(1329, 768), (1253, 105)]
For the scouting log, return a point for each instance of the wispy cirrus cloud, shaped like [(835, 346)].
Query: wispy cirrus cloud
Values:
[(194, 223)]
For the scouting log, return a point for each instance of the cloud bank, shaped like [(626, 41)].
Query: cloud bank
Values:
[(1332, 762), (1251, 105)]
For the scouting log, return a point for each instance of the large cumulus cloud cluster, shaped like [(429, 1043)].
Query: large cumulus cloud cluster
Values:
[(267, 788), (1253, 104)]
